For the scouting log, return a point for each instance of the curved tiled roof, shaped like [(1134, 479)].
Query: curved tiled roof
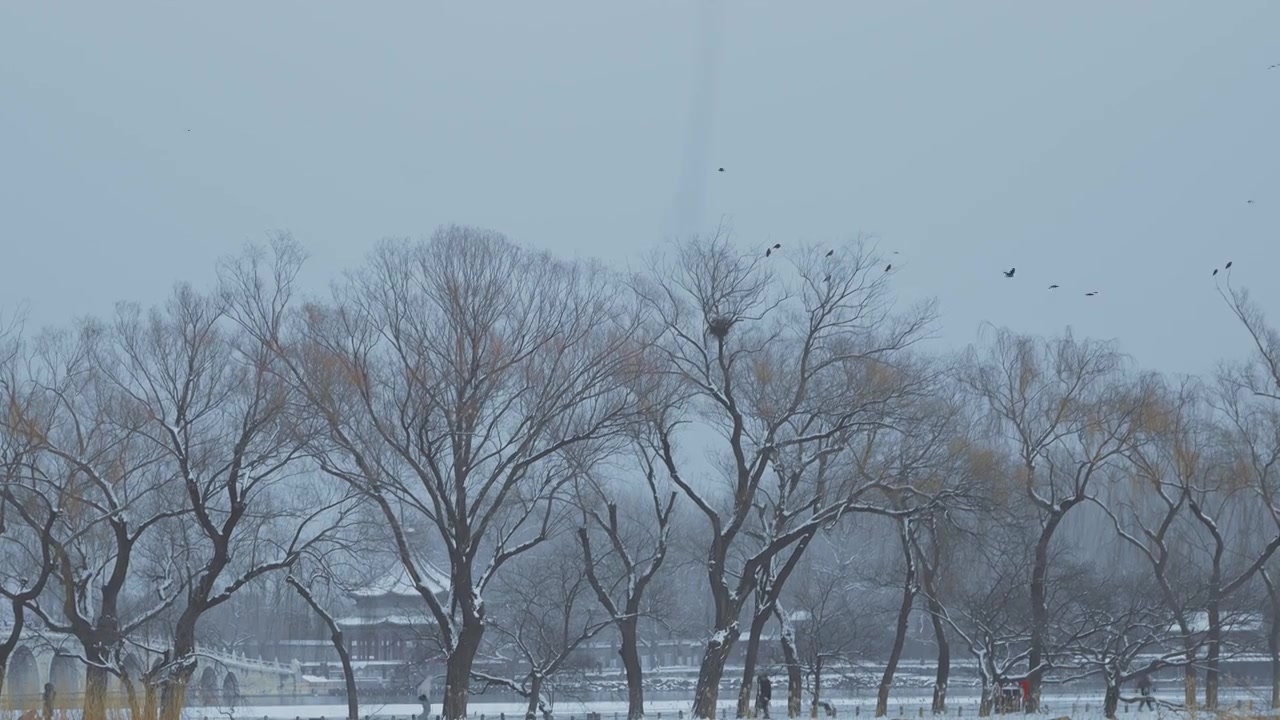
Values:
[(397, 583)]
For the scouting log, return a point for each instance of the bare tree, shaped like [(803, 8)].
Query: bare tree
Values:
[(1166, 459), (775, 366), (927, 544), (932, 456), (910, 586), (217, 414), (1120, 633), (312, 573), (1067, 416), (1273, 633), (462, 383), (546, 615), (1260, 377), (26, 517), (27, 563), (1246, 474), (955, 543), (97, 466), (993, 626), (826, 623), (620, 577), (24, 558)]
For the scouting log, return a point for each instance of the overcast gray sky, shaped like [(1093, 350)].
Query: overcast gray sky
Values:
[(1098, 145)]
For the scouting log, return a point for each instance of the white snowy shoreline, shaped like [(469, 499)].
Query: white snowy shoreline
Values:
[(1074, 706)]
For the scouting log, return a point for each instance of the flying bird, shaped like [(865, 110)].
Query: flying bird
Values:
[(1228, 264), (1091, 294), (888, 267), (768, 252), (1215, 271), (1009, 272), (777, 246), (721, 170), (831, 252), (1053, 287), (1273, 67), (826, 279), (1248, 202)]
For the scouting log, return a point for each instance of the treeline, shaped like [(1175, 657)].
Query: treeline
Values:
[(725, 441)]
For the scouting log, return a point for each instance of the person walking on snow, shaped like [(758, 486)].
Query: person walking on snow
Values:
[(424, 697), (763, 696), (48, 700), (1144, 689)]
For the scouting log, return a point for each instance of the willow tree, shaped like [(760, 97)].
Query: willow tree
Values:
[(1067, 413), (1166, 461)]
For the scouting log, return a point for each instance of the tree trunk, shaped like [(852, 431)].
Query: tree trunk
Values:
[(629, 650), (895, 654), (795, 679), (348, 676), (339, 645), (929, 567), (749, 658), (95, 689), (1191, 676), (900, 631), (985, 703), (458, 671), (150, 704), (707, 691), (1273, 646), (1273, 637), (173, 696), (535, 692), (943, 675), (817, 688), (177, 676), (1111, 701), (1213, 642), (131, 696), (1040, 608)]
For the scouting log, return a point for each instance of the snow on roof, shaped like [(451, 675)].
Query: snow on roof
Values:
[(397, 583), (394, 620), (1198, 622)]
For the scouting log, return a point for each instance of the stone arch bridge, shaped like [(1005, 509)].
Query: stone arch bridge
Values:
[(221, 679)]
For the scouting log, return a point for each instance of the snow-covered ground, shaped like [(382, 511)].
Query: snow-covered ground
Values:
[(1074, 706)]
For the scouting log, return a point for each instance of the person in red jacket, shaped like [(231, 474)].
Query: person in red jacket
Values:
[(1025, 683)]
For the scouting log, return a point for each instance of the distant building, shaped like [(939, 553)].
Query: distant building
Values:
[(390, 619)]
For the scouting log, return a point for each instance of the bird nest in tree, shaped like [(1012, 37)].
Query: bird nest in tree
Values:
[(720, 326)]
